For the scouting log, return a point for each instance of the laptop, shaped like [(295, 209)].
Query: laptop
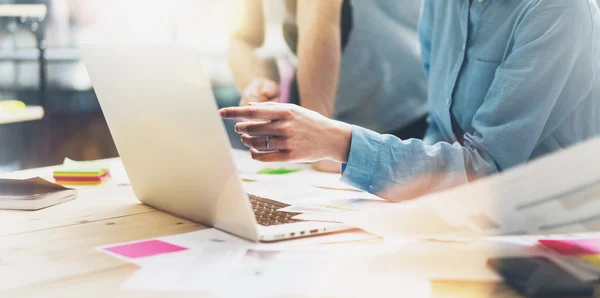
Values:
[(164, 120)]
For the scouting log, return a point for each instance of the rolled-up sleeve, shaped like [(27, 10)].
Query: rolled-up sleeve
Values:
[(379, 161), (541, 81)]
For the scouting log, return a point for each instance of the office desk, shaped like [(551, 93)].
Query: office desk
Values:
[(49, 253)]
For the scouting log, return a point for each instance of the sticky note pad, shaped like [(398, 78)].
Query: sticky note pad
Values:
[(572, 247), (8, 106), (60, 177), (60, 173), (591, 259), (144, 249), (70, 166), (278, 171)]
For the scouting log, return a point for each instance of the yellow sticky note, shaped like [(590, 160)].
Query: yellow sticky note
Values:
[(592, 259), (71, 167), (8, 106)]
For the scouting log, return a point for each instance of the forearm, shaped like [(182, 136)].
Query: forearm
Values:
[(247, 65), (339, 138), (319, 55), (377, 162)]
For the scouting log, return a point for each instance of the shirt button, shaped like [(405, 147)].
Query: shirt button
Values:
[(464, 46), (480, 1), (448, 101)]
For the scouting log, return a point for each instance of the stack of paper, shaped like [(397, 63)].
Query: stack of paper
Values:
[(530, 199), (81, 172), (177, 263), (32, 194)]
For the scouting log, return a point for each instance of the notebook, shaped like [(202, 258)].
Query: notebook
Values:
[(32, 194)]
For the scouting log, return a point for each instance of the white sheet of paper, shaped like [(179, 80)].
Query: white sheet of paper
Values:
[(118, 173), (338, 203), (341, 270), (555, 194), (249, 168), (257, 273), (197, 241)]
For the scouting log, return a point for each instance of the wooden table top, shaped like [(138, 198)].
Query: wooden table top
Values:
[(50, 252)]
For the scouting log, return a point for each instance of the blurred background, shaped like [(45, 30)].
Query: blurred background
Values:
[(40, 65)]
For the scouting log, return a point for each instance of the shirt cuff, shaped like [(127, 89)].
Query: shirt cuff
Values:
[(363, 159)]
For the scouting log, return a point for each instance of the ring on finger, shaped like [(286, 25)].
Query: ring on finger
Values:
[(267, 142)]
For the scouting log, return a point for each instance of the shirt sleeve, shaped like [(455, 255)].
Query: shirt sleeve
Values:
[(534, 90), (433, 134)]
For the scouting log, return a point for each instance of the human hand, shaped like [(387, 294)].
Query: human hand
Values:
[(261, 90), (290, 133)]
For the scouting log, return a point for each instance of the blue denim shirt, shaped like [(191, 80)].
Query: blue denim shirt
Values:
[(509, 81)]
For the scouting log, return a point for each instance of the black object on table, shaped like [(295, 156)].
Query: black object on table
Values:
[(539, 277)]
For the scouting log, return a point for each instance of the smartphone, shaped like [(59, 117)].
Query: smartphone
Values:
[(539, 277)]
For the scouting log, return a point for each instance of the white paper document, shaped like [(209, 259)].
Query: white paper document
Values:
[(267, 273), (559, 193), (196, 242), (118, 173), (338, 271), (249, 170)]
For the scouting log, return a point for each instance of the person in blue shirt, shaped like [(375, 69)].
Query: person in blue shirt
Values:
[(509, 81), (343, 61)]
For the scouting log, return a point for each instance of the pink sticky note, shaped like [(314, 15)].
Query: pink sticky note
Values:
[(144, 249), (574, 246)]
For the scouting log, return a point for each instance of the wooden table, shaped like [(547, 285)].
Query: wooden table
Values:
[(49, 253)]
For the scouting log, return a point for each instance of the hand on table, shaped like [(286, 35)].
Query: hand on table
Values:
[(288, 132), (261, 90)]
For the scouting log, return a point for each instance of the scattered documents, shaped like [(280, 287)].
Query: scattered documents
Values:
[(332, 271), (302, 174), (213, 261), (32, 194), (173, 248), (81, 172), (535, 198), (268, 273), (217, 259)]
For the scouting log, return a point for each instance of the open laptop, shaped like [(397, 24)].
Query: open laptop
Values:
[(163, 118)]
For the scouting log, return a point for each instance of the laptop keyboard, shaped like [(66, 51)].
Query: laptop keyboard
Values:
[(266, 212)]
